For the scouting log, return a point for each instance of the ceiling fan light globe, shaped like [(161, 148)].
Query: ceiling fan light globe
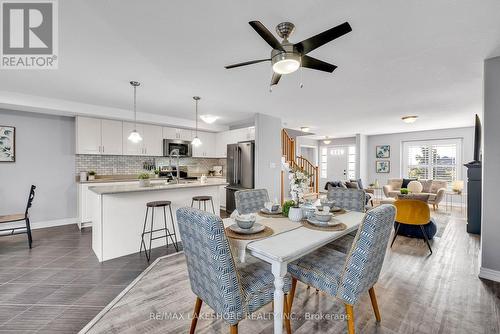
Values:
[(286, 66), (134, 137)]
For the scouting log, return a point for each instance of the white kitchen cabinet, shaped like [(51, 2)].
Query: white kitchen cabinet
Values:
[(98, 136), (207, 147), (186, 134), (222, 139), (174, 133), (169, 133), (111, 137), (88, 135), (152, 140), (130, 148), (222, 195)]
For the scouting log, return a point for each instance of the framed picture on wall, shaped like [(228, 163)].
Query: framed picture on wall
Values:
[(383, 166), (7, 143), (383, 151)]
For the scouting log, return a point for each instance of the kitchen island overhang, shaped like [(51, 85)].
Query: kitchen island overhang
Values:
[(118, 213)]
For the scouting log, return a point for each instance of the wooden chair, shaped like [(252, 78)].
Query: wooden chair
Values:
[(412, 212), (19, 217)]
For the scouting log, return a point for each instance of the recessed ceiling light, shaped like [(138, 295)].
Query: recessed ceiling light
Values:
[(209, 119), (304, 129), (409, 119), (326, 140)]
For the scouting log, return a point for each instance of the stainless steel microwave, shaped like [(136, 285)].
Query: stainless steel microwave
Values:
[(183, 146)]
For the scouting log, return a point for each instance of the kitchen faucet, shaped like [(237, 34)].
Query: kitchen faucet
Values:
[(177, 153)]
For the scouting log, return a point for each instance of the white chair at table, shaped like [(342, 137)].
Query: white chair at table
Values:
[(348, 276)]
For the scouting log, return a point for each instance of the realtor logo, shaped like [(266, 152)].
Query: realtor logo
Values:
[(29, 36)]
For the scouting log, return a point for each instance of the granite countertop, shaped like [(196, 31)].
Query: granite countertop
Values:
[(129, 178), (117, 189)]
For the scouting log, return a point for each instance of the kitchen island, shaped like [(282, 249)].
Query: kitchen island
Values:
[(117, 213)]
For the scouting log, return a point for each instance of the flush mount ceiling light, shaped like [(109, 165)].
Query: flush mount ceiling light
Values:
[(196, 141), (134, 136), (304, 129), (326, 140), (409, 119), (209, 119)]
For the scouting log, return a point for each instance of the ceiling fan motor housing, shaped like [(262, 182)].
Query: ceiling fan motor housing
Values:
[(285, 29)]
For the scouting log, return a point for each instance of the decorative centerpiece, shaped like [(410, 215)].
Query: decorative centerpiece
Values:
[(92, 175), (157, 173), (286, 207), (404, 191), (299, 185), (144, 180), (457, 186)]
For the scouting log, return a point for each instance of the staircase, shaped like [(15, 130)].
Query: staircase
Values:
[(292, 162)]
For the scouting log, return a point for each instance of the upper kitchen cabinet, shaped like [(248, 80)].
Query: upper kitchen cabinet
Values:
[(152, 140), (98, 136), (207, 147), (174, 133), (222, 139)]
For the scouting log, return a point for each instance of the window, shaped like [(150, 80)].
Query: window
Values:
[(323, 160), (434, 159), (351, 168)]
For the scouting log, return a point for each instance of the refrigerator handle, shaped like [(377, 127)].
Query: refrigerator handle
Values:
[(239, 165), (235, 165)]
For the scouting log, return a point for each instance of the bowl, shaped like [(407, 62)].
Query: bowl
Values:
[(245, 221), (330, 203), (323, 216)]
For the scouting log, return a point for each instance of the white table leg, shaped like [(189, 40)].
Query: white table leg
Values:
[(279, 271)]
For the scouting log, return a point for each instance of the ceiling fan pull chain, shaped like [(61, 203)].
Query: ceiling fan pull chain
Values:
[(301, 83)]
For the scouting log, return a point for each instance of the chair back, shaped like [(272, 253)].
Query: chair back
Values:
[(349, 199), (412, 212), (211, 269), (365, 259), (252, 200), (31, 197)]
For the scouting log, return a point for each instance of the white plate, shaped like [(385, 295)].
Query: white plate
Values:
[(318, 223), (266, 211), (256, 228)]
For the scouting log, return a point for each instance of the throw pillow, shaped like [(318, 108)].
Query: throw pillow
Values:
[(426, 185), (360, 183), (406, 181), (352, 185), (395, 184)]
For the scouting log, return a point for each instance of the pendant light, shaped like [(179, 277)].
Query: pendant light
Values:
[(196, 141), (134, 136)]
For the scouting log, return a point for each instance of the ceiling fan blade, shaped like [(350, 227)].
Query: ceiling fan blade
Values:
[(329, 35), (247, 63), (266, 35), (275, 79), (317, 64)]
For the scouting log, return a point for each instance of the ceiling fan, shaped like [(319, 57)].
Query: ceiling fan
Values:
[(287, 57)]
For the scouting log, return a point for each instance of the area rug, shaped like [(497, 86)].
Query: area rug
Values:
[(441, 220)]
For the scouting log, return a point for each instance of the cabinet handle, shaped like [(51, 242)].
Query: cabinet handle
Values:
[(103, 149)]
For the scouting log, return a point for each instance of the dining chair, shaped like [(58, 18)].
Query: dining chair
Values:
[(412, 212), (233, 292), (251, 200), (20, 217), (348, 276)]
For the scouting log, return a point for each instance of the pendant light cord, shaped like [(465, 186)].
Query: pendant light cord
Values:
[(135, 106), (196, 118)]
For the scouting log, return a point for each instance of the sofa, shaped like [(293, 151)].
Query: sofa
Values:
[(434, 188)]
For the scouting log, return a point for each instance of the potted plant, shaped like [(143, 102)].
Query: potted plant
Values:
[(157, 172), (286, 207), (404, 191), (144, 180), (92, 175), (299, 185)]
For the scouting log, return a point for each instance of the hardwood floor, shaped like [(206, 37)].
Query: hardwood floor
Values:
[(59, 286)]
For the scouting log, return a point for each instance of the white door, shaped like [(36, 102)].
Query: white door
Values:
[(130, 148), (112, 137), (88, 135), (152, 140), (336, 163)]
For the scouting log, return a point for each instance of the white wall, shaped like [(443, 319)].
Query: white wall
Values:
[(361, 158), (490, 225), (304, 141), (268, 154), (45, 157), (396, 140)]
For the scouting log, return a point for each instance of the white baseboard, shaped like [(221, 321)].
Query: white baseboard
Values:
[(492, 275), (44, 224)]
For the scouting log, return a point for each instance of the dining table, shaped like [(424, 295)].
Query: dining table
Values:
[(289, 242)]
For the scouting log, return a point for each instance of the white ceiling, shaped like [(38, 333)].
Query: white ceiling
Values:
[(403, 57)]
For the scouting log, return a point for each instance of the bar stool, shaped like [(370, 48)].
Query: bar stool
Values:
[(203, 199), (153, 205)]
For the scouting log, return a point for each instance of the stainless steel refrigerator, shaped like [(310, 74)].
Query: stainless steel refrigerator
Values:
[(240, 170)]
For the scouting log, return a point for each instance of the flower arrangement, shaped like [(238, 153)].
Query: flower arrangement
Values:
[(299, 185)]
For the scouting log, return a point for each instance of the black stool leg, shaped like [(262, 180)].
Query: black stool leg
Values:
[(166, 228), (173, 228), (204, 205), (143, 232), (395, 233), (212, 202), (192, 202), (151, 233), (425, 237), (28, 231), (199, 205)]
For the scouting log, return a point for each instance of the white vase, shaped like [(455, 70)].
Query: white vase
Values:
[(295, 214)]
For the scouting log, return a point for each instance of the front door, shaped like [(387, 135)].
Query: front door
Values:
[(337, 163)]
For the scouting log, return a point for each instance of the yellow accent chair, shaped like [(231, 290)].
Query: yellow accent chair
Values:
[(412, 212)]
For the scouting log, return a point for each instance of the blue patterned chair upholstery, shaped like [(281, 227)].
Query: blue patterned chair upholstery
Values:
[(252, 200), (232, 292), (348, 276)]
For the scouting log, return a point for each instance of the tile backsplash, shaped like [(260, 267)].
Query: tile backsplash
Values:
[(120, 164)]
